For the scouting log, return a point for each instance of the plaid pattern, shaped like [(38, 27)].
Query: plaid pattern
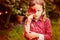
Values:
[(42, 28)]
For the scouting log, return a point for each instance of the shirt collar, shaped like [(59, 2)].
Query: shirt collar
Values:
[(40, 19)]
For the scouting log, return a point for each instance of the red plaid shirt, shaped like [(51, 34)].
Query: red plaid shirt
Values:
[(41, 27)]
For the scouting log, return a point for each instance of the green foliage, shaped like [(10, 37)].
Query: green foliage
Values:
[(16, 5), (53, 8)]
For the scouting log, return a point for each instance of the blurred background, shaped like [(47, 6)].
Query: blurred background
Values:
[(12, 17)]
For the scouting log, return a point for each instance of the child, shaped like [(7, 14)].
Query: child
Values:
[(37, 26)]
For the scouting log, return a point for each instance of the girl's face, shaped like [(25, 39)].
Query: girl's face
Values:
[(39, 11)]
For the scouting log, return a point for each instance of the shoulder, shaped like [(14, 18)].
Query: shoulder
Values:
[(47, 20)]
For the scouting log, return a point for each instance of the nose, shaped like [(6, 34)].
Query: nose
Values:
[(37, 14)]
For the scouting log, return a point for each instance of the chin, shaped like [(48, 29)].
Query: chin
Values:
[(36, 18)]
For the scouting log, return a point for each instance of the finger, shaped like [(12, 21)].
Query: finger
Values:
[(30, 17)]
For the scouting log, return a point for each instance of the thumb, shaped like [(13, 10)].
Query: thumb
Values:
[(30, 17)]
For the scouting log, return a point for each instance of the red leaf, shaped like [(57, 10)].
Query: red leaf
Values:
[(32, 11)]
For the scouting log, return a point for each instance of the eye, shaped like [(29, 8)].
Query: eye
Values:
[(38, 10)]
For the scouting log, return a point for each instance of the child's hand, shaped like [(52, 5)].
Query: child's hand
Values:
[(32, 35), (30, 18)]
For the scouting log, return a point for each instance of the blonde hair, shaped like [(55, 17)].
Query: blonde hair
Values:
[(43, 6)]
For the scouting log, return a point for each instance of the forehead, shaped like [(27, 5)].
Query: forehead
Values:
[(38, 7)]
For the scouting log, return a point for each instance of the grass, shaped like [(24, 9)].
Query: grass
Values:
[(16, 33)]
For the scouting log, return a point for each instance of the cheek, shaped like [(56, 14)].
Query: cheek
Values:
[(39, 13)]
